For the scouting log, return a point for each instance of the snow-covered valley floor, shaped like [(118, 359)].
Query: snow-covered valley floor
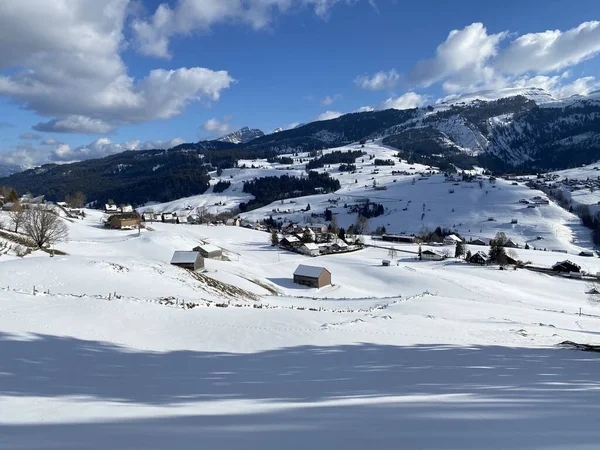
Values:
[(419, 355)]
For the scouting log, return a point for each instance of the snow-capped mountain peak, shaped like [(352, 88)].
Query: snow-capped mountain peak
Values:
[(242, 136)]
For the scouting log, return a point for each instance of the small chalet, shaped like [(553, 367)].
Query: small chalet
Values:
[(479, 258), (290, 242), (188, 260), (128, 221), (311, 276), (8, 206), (209, 251), (477, 242), (233, 222), (148, 217), (430, 255), (338, 246), (310, 249), (317, 228), (566, 267), (511, 244), (169, 218), (452, 240), (110, 208), (386, 263)]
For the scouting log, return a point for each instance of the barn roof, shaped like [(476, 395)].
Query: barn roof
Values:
[(309, 271), (454, 238), (210, 248), (182, 257), (311, 246)]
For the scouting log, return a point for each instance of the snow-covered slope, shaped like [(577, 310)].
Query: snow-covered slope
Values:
[(538, 95), (384, 356), (241, 136)]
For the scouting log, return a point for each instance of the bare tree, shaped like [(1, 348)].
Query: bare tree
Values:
[(76, 200), (16, 216), (392, 253), (335, 228), (44, 227), (361, 226)]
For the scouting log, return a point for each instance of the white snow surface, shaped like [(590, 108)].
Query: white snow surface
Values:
[(419, 355)]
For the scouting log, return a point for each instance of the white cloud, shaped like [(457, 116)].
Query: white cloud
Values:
[(364, 109), (218, 127), (550, 50), (580, 86), (30, 155), (329, 100), (461, 57), (50, 141), (379, 81), (186, 16), (64, 62), (328, 115), (406, 101)]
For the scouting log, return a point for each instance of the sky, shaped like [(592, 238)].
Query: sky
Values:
[(82, 79)]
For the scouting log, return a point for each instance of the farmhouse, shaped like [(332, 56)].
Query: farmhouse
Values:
[(310, 249), (511, 244), (188, 260), (209, 251), (479, 258), (127, 221), (290, 242), (169, 218), (338, 246), (316, 277), (477, 242), (431, 255), (233, 222), (566, 267), (452, 239), (110, 208)]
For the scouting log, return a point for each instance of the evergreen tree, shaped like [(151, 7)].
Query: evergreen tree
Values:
[(274, 237), (468, 255), (460, 249)]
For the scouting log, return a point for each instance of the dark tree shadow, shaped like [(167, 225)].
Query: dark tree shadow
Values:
[(347, 396)]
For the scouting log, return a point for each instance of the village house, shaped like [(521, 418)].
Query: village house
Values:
[(566, 267), (452, 239), (511, 244), (209, 251), (480, 258), (317, 228), (110, 208), (477, 242), (290, 242), (127, 221), (310, 249), (188, 260), (316, 277), (431, 255), (386, 263), (8, 206), (338, 246), (169, 218), (233, 222)]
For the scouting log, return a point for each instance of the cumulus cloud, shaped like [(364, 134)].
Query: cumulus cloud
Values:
[(215, 126), (63, 61), (186, 16), (379, 81), (462, 56), (30, 155), (471, 59), (550, 50), (329, 100), (365, 109), (30, 136), (328, 115), (405, 101)]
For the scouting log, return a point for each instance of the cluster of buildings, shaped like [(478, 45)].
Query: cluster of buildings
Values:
[(314, 240), (194, 260)]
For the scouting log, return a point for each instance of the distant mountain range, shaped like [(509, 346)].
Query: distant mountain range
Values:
[(515, 130)]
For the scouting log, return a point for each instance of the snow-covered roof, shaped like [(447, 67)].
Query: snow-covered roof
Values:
[(292, 239), (453, 237), (182, 257), (311, 246), (210, 248), (309, 271)]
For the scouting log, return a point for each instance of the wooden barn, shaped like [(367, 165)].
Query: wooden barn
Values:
[(209, 251), (188, 260), (312, 276), (126, 221)]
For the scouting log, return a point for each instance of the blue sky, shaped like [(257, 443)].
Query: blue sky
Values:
[(263, 63)]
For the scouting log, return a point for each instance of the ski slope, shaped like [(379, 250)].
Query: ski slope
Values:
[(421, 354)]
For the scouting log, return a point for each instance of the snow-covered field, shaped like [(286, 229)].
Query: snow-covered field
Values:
[(428, 355)]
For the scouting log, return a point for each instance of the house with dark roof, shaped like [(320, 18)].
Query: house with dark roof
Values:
[(566, 267), (312, 276), (477, 242), (479, 258), (431, 255), (188, 260)]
